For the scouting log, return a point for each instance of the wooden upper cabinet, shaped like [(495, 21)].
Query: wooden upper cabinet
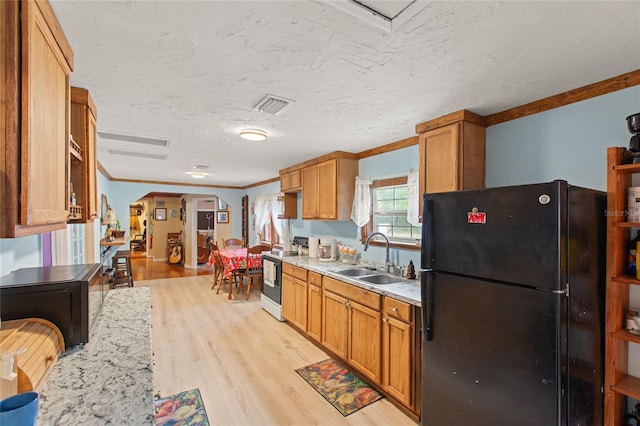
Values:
[(452, 152), (328, 187), (82, 158), (36, 61), (290, 181), (310, 192)]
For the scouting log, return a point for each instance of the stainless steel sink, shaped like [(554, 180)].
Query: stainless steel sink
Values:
[(380, 279), (354, 272)]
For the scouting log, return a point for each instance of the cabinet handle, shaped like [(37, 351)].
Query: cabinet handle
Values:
[(385, 319), (394, 309)]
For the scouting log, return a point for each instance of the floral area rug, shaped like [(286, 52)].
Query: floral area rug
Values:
[(182, 409), (336, 384)]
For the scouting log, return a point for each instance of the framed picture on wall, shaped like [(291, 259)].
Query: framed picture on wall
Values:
[(161, 214), (223, 216), (221, 204)]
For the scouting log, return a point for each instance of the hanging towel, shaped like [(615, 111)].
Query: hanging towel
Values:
[(269, 273), (361, 210), (413, 202)]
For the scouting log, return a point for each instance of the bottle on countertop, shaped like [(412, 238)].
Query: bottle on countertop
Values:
[(632, 253)]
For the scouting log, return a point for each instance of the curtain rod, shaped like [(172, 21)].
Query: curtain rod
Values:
[(373, 179)]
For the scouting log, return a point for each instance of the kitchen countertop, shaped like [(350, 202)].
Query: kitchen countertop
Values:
[(408, 291), (109, 381)]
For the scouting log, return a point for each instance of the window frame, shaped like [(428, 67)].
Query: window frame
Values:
[(272, 232), (368, 228)]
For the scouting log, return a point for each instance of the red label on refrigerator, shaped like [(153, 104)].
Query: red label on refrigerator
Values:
[(473, 217)]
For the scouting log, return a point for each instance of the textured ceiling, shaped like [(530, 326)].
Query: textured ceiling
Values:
[(192, 71)]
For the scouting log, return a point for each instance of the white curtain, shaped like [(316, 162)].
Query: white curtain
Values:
[(361, 210), (276, 209), (261, 210), (413, 203), (264, 207)]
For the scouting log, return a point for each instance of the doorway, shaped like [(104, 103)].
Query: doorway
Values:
[(138, 230)]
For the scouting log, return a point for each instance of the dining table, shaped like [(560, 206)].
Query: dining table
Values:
[(235, 259)]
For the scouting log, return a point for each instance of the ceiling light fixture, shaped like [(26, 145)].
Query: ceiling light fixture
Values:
[(197, 175), (253, 134)]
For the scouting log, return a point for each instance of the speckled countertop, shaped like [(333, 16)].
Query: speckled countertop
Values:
[(110, 380), (407, 291)]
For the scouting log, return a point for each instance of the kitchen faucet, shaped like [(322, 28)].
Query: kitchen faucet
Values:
[(389, 266)]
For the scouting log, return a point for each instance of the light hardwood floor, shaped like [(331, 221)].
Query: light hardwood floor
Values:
[(240, 358)]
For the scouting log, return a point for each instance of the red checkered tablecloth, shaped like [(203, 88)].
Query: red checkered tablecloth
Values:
[(237, 258)]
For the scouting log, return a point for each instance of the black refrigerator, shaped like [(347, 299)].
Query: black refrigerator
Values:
[(513, 291)]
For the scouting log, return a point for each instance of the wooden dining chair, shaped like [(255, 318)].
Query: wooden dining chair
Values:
[(216, 262), (233, 243), (254, 272), (219, 278)]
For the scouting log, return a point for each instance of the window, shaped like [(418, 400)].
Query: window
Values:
[(389, 200), (268, 234)]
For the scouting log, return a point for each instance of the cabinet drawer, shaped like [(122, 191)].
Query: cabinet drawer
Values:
[(397, 309), (362, 296), (315, 279), (294, 271)]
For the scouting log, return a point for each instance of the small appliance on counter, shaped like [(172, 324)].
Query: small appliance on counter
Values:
[(314, 242), (300, 245), (328, 249)]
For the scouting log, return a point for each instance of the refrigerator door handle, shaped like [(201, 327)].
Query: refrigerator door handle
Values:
[(428, 284), (426, 258)]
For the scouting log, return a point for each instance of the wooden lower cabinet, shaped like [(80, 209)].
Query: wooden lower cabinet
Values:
[(375, 335), (335, 327), (351, 329), (398, 350), (294, 296), (364, 340), (314, 306)]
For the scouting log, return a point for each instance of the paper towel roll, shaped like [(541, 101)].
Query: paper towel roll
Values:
[(313, 247)]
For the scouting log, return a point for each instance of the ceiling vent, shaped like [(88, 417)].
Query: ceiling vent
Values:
[(200, 167), (271, 104), (389, 16), (134, 139), (137, 154)]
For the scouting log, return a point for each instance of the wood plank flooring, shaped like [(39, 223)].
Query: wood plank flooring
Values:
[(241, 358)]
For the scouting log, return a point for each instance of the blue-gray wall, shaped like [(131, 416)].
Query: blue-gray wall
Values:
[(565, 143)]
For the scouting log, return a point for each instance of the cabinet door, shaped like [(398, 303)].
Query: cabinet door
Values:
[(310, 192), (44, 114), (314, 306), (327, 187), (365, 340), (440, 153), (335, 311), (300, 304), (288, 298), (295, 179), (83, 165), (285, 181), (91, 166), (396, 359)]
